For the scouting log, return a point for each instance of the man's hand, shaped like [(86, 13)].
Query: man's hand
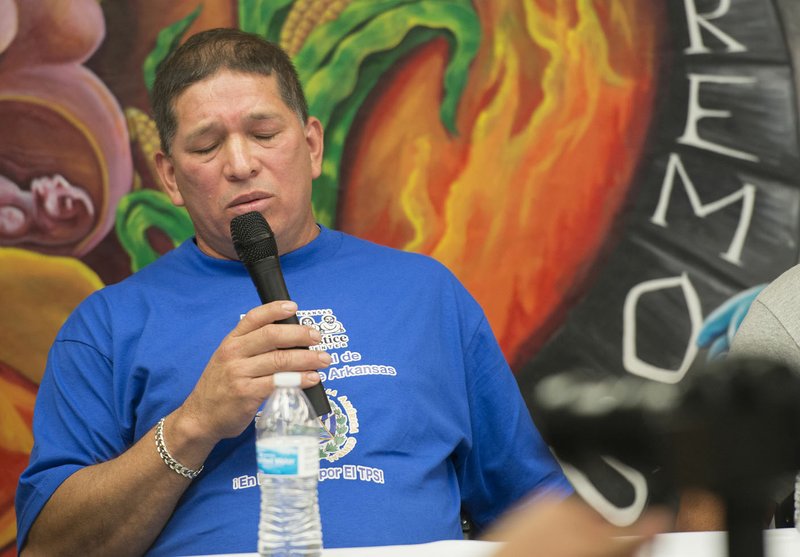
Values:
[(569, 528), (238, 378)]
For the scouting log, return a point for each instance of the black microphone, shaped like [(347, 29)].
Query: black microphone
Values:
[(255, 244)]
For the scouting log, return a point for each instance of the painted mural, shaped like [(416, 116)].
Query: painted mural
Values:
[(613, 181)]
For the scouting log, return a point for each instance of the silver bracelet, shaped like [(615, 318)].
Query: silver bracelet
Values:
[(167, 458)]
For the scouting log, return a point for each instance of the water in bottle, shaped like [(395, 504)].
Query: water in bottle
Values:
[(797, 501), (287, 441)]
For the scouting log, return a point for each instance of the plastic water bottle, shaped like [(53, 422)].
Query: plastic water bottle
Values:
[(797, 501), (287, 449)]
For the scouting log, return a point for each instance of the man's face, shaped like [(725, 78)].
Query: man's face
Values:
[(239, 148)]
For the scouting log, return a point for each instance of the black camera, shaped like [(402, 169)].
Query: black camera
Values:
[(731, 427)]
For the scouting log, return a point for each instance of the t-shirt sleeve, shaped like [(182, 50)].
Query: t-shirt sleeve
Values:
[(508, 459), (74, 425), (762, 336)]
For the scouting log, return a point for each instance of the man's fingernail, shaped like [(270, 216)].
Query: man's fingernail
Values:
[(314, 334), (325, 358), (289, 306), (312, 376)]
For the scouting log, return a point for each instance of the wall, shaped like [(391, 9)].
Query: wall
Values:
[(602, 176)]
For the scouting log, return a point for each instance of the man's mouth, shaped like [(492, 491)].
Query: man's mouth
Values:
[(250, 200)]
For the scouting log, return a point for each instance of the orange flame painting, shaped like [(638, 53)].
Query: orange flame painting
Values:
[(522, 201)]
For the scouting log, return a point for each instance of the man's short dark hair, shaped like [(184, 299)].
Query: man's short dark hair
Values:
[(206, 53)]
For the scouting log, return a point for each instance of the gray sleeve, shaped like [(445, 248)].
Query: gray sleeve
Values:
[(762, 335)]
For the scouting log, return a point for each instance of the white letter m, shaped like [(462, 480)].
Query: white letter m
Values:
[(746, 194)]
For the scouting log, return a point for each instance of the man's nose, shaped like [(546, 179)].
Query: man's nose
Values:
[(241, 162)]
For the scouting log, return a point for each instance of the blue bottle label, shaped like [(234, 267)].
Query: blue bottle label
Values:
[(272, 461), (288, 456)]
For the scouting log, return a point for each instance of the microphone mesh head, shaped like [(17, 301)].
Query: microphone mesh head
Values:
[(252, 238)]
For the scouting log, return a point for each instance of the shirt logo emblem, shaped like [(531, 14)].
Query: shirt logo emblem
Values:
[(336, 438)]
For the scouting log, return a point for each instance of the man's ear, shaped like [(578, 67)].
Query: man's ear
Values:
[(166, 171), (315, 138)]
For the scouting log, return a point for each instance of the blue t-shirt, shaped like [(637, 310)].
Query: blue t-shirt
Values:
[(427, 417)]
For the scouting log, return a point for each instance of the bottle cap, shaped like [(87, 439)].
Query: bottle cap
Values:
[(288, 379)]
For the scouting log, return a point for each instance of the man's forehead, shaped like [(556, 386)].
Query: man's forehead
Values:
[(220, 85), (211, 125), (200, 115), (227, 74)]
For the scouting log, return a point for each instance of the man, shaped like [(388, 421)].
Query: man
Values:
[(427, 417)]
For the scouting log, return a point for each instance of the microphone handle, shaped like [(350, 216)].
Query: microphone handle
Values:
[(268, 279)]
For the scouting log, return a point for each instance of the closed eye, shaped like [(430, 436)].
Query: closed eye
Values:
[(204, 151)]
